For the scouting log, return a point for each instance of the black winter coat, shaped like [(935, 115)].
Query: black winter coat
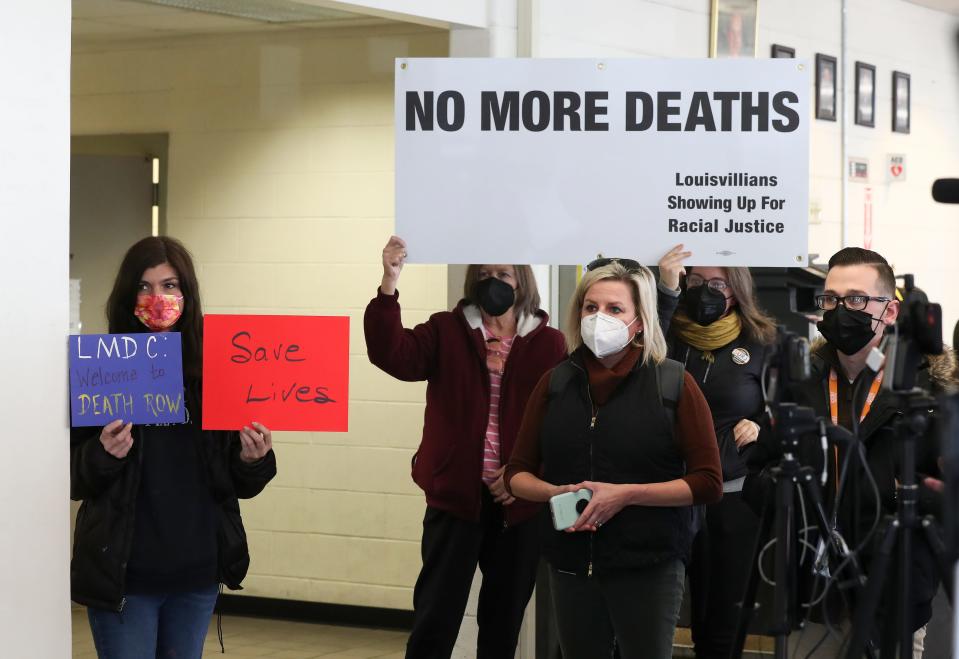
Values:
[(108, 488), (878, 435), (732, 388)]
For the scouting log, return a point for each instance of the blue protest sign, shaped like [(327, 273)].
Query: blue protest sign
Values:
[(134, 377)]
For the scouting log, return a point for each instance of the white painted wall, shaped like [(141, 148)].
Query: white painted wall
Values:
[(34, 227), (913, 232)]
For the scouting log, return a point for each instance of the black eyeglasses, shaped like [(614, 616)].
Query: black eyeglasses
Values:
[(851, 302), (716, 283), (629, 264)]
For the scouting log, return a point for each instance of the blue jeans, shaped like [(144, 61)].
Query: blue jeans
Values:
[(155, 626)]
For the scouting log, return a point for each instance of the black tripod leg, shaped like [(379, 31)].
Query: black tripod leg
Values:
[(784, 597), (903, 594), (752, 582), (833, 545), (939, 549), (814, 494), (866, 610), (889, 630)]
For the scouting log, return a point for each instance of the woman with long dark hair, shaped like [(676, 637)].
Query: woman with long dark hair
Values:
[(722, 336), (159, 527)]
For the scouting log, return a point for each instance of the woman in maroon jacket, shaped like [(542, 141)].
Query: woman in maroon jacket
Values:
[(481, 362)]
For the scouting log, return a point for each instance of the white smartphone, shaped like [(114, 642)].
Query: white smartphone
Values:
[(567, 507)]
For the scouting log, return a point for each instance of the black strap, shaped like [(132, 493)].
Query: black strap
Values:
[(559, 378), (219, 618), (670, 376)]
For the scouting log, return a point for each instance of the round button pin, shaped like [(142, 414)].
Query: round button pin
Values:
[(741, 356)]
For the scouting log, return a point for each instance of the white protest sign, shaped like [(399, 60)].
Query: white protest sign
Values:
[(558, 160)]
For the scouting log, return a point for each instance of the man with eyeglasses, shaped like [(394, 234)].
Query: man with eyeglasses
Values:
[(859, 303)]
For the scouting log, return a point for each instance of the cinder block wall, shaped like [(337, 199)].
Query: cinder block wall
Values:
[(281, 184)]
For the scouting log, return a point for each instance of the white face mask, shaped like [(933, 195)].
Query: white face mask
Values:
[(605, 335)]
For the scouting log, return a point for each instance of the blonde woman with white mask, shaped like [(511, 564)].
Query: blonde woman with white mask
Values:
[(621, 422)]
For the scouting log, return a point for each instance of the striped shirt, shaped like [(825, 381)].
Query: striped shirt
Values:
[(497, 350)]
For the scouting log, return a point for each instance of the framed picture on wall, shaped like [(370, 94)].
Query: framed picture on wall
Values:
[(780, 51), (732, 28), (901, 83), (825, 87), (865, 94)]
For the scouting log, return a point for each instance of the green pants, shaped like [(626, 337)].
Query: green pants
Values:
[(636, 608)]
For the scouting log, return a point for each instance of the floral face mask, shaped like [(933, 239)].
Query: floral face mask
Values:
[(159, 312)]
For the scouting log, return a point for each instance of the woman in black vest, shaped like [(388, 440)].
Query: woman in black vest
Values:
[(598, 421), (722, 337), (159, 527)]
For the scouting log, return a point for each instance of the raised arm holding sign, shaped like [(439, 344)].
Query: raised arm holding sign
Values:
[(480, 362), (394, 256)]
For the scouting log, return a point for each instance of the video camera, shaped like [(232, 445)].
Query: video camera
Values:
[(917, 332), (787, 364)]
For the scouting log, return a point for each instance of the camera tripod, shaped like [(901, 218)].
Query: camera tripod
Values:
[(950, 514), (792, 423), (898, 536)]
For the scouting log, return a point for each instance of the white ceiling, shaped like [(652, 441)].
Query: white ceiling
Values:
[(107, 20), (950, 6)]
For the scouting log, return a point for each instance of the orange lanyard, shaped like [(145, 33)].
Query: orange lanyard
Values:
[(834, 405), (834, 396)]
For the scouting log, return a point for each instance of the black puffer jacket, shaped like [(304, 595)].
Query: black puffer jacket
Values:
[(105, 522)]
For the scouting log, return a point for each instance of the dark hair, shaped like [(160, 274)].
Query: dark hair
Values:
[(757, 324), (527, 294), (859, 256), (143, 255)]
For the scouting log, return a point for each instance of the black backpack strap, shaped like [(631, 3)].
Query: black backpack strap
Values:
[(670, 375), (559, 378)]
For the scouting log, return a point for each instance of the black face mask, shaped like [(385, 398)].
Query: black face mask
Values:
[(847, 331), (704, 305), (495, 297)]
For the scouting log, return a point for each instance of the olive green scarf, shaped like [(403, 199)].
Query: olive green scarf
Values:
[(710, 337)]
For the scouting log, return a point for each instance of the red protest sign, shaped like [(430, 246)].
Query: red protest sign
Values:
[(286, 372)]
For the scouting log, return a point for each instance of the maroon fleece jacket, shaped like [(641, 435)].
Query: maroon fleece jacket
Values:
[(451, 356)]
